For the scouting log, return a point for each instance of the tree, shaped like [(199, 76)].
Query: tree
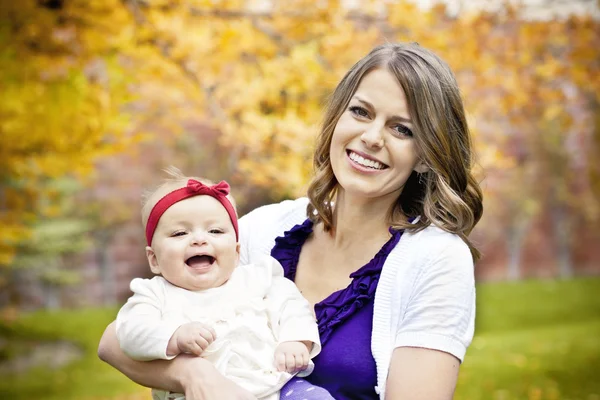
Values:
[(42, 262), (64, 86), (516, 74), (106, 75)]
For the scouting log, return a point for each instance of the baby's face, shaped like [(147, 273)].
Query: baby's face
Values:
[(194, 245)]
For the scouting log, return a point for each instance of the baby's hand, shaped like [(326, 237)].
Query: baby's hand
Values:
[(193, 338), (291, 357)]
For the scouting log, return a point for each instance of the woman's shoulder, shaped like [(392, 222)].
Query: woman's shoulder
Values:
[(421, 260), (433, 245), (435, 237), (277, 211)]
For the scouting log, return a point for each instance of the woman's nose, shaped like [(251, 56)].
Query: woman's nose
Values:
[(373, 136)]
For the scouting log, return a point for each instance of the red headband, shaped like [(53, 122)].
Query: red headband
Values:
[(193, 188)]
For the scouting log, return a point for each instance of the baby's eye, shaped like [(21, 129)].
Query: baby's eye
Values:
[(402, 130), (178, 233), (359, 111), (216, 231)]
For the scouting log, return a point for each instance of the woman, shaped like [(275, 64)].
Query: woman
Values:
[(379, 246)]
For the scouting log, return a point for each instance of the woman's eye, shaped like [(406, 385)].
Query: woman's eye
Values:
[(402, 130), (359, 111)]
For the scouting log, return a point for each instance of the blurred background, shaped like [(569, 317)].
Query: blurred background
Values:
[(98, 96)]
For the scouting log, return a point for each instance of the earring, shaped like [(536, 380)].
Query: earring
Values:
[(421, 180)]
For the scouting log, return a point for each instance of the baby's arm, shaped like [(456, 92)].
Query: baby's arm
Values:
[(293, 322), (142, 332)]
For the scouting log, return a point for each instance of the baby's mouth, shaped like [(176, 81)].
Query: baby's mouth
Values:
[(200, 261)]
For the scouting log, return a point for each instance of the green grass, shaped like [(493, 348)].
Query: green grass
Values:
[(535, 340), (87, 378)]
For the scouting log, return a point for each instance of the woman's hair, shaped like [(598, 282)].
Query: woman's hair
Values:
[(175, 180), (448, 195)]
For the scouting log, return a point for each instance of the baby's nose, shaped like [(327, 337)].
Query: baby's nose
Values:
[(198, 238)]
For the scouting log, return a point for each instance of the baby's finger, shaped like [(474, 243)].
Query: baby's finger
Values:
[(208, 334), (280, 361), (305, 360), (201, 342), (299, 362), (212, 332), (194, 348), (290, 363)]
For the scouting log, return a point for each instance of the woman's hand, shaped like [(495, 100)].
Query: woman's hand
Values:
[(202, 381)]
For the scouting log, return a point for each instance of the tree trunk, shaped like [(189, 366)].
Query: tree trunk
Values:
[(515, 239), (561, 224), (52, 296), (105, 266)]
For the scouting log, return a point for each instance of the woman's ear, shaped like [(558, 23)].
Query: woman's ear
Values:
[(421, 167), (152, 260)]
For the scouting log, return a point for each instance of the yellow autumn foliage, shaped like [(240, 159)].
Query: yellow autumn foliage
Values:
[(259, 74), (62, 90)]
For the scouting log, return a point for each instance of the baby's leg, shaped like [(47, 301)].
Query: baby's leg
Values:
[(299, 389)]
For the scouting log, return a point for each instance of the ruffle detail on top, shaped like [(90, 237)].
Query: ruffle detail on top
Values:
[(288, 247), (340, 305)]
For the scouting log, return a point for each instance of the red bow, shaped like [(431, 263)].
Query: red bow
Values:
[(220, 189), (193, 188)]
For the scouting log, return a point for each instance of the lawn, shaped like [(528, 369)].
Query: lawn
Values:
[(534, 340), (87, 378)]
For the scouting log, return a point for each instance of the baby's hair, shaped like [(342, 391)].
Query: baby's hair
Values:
[(175, 180)]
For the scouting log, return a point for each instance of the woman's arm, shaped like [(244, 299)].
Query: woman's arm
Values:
[(421, 374), (161, 374), (437, 325), (194, 376)]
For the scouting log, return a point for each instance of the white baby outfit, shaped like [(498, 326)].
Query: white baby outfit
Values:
[(251, 313)]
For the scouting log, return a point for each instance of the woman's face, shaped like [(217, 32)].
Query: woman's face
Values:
[(372, 148)]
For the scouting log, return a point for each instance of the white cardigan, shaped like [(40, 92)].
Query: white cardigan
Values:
[(426, 292)]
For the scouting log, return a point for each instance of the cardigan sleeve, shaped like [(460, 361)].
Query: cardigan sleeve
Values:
[(440, 312), (260, 227)]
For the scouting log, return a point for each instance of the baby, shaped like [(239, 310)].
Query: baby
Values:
[(249, 321)]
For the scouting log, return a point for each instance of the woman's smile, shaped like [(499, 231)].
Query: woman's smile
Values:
[(365, 163)]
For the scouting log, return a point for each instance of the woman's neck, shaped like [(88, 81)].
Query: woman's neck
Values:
[(359, 221)]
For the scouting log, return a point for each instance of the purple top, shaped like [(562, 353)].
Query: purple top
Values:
[(345, 366)]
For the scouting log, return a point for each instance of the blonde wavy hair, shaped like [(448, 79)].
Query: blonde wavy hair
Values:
[(448, 195)]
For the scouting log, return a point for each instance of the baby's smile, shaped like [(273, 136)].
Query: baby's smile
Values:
[(200, 261)]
